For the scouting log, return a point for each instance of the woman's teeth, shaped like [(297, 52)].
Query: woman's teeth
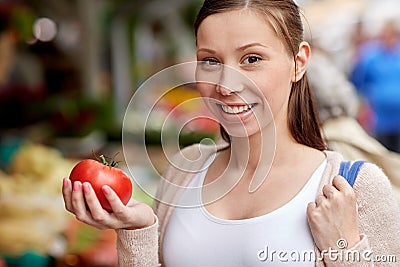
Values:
[(236, 109)]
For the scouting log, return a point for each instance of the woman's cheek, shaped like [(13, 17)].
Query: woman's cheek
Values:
[(204, 89), (206, 92)]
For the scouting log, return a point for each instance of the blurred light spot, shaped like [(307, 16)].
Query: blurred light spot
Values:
[(44, 29)]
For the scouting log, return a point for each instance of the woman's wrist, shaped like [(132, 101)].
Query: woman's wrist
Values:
[(145, 225), (353, 241)]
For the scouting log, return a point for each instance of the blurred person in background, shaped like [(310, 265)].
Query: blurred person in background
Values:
[(376, 76), (338, 106)]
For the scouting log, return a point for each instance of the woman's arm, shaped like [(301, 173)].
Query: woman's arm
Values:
[(379, 215), (139, 247)]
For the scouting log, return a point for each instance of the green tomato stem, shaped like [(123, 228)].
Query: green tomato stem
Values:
[(103, 160)]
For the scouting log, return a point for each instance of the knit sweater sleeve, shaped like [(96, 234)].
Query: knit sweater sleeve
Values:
[(138, 248), (379, 216)]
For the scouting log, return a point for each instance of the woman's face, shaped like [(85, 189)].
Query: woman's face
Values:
[(245, 73)]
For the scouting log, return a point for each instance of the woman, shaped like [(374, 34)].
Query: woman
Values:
[(284, 194)]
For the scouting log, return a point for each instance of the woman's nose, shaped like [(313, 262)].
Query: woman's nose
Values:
[(220, 89), (231, 81)]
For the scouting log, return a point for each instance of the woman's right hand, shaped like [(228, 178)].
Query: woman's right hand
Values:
[(81, 200)]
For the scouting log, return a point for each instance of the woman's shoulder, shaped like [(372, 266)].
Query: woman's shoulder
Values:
[(369, 174), (371, 178)]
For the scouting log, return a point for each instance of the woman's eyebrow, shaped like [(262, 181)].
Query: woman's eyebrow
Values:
[(241, 48), (207, 50), (244, 47)]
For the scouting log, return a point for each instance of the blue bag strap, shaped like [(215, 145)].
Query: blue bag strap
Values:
[(350, 171)]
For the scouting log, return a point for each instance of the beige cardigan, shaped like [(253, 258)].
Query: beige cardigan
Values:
[(378, 211)]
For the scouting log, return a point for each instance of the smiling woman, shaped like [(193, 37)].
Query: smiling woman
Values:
[(260, 57), (256, 53), (284, 191)]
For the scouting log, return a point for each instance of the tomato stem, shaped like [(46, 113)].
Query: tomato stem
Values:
[(103, 160)]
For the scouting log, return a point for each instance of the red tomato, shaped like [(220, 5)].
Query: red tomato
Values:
[(99, 174)]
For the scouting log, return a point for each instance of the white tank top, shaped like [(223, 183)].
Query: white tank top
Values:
[(196, 238)]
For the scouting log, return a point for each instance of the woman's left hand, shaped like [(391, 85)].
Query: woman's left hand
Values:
[(333, 217)]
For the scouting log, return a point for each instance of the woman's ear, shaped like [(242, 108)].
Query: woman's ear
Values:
[(302, 58)]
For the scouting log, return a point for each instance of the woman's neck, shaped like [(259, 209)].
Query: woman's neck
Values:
[(269, 147)]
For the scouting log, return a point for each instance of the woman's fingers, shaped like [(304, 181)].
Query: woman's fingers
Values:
[(120, 213), (133, 211), (112, 197), (133, 215), (343, 186), (80, 207), (97, 212), (339, 187), (91, 198), (67, 192), (329, 191), (81, 200), (78, 201)]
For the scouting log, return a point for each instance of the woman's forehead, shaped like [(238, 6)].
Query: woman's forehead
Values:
[(242, 20), (241, 26), (242, 16)]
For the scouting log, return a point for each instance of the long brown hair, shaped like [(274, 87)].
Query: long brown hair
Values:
[(284, 16)]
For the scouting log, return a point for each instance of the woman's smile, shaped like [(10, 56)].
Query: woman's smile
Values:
[(236, 109), (236, 112)]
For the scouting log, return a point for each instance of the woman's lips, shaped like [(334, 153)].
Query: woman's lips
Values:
[(233, 112), (236, 109)]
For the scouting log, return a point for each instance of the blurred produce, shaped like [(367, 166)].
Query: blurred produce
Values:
[(88, 246), (32, 213)]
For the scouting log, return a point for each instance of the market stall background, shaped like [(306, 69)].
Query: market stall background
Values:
[(67, 72)]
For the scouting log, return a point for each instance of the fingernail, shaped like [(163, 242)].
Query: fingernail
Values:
[(65, 182), (106, 190), (77, 186), (86, 187)]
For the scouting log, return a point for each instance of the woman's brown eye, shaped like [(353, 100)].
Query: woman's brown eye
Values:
[(252, 60)]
